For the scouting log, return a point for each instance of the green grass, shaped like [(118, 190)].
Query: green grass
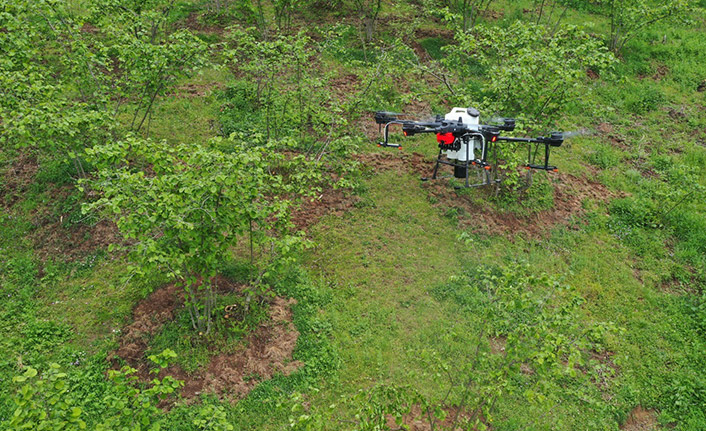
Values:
[(380, 263), (381, 323), (187, 113)]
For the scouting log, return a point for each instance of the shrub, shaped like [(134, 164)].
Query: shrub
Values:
[(189, 205), (532, 71)]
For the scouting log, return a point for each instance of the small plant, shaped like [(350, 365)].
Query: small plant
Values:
[(45, 402), (604, 157), (212, 418), (461, 14), (644, 99)]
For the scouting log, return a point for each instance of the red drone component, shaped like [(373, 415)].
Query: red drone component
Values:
[(445, 138)]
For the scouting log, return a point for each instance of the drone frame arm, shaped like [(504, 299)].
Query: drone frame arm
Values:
[(386, 134), (541, 140), (427, 128)]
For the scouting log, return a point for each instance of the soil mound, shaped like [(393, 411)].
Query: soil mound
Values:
[(419, 420), (329, 201), (52, 235), (263, 353), (569, 193), (641, 419)]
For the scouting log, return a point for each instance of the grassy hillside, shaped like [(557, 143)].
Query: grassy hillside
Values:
[(578, 303)]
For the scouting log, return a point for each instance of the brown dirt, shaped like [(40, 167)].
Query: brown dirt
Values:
[(701, 87), (443, 33), (329, 201), (265, 352), (148, 318), (18, 176), (607, 131), (53, 239), (372, 131), (50, 236), (345, 86), (569, 193), (661, 72), (188, 91), (87, 27), (268, 351), (675, 287), (641, 419), (526, 369), (497, 345), (605, 128), (605, 373), (493, 14), (420, 51), (677, 114), (194, 23), (417, 420)]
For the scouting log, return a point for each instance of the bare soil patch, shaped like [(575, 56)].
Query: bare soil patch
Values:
[(51, 236), (492, 14), (497, 345), (604, 373), (569, 193), (641, 419), (264, 353), (87, 27), (148, 318), (661, 72), (194, 23), (443, 33), (329, 201), (191, 90), (17, 178), (419, 420), (679, 114), (345, 86), (607, 131), (52, 239)]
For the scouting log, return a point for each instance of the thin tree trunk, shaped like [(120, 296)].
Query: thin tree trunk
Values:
[(541, 11), (149, 107), (252, 257)]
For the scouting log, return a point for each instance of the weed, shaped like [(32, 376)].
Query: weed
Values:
[(644, 98), (604, 157)]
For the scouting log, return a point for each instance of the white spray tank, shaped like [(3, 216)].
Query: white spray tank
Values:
[(471, 118)]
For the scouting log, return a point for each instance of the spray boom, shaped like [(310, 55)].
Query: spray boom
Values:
[(464, 142)]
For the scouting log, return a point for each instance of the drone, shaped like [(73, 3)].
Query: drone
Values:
[(466, 144)]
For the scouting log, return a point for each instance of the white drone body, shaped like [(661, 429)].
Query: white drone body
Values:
[(464, 143), (471, 118)]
